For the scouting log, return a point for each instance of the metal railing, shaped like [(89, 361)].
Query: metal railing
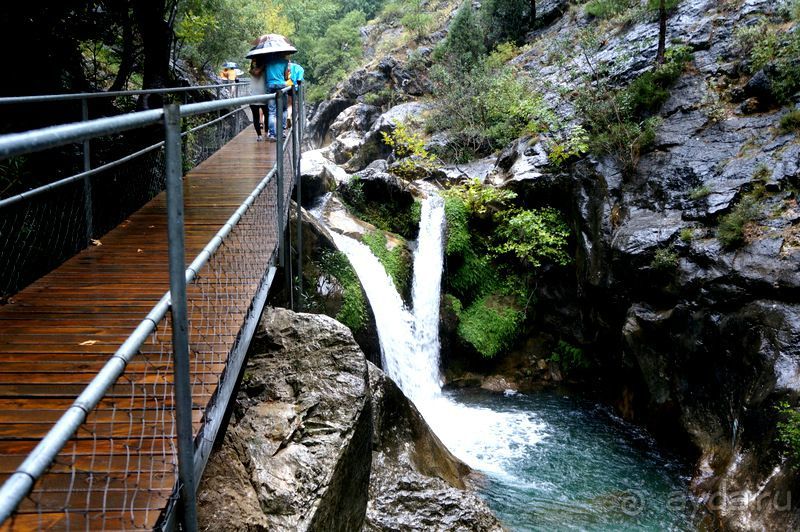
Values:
[(82, 212), (188, 349)]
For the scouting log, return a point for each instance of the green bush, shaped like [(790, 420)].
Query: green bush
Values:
[(790, 122), (505, 21), (776, 51), (485, 108), (569, 357), (731, 229), (665, 259), (463, 48), (607, 8), (388, 216), (699, 192), (620, 121), (490, 324), (479, 199), (789, 432), (353, 312), (532, 236), (394, 261)]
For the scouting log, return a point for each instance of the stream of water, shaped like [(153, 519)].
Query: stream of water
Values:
[(549, 462)]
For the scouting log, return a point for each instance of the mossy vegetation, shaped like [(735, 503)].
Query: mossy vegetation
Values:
[(353, 311), (482, 102), (569, 357), (491, 323), (493, 249), (789, 432), (665, 260), (395, 261)]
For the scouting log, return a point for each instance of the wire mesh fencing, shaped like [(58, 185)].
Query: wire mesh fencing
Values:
[(39, 232), (120, 469)]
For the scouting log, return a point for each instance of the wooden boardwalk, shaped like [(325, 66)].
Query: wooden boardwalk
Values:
[(55, 335)]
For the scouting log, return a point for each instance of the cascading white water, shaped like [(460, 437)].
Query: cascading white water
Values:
[(533, 481), (485, 439)]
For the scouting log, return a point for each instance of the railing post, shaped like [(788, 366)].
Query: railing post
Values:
[(279, 170), (87, 181), (296, 139), (180, 328)]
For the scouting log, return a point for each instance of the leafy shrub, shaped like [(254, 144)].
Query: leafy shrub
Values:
[(665, 260), (576, 143), (490, 324), (391, 216), (479, 199), (620, 121), (730, 231), (789, 432), (569, 357), (533, 236), (505, 21), (686, 234), (415, 19), (607, 8), (486, 108), (394, 261), (353, 312), (776, 51), (463, 48), (791, 122)]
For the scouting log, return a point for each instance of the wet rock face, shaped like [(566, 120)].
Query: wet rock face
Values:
[(306, 451), (297, 453), (705, 334), (416, 484)]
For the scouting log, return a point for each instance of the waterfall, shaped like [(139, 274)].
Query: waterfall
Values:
[(485, 439)]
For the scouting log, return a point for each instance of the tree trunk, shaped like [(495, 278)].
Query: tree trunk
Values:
[(662, 31), (128, 46), (156, 36)]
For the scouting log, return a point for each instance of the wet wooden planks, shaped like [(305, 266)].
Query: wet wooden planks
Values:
[(119, 470)]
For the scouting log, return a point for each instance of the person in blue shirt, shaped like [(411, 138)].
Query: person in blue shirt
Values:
[(296, 72), (296, 77), (276, 71)]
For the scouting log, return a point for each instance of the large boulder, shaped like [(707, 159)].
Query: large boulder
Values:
[(373, 147), (319, 175), (297, 453), (416, 483)]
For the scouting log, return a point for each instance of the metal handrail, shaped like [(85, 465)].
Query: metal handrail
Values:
[(11, 100), (20, 483), (51, 137)]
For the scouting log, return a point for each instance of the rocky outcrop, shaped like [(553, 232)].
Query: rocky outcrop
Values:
[(322, 440), (702, 335), (416, 484), (297, 453)]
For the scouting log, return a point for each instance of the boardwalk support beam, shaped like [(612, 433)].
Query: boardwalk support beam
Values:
[(180, 325)]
